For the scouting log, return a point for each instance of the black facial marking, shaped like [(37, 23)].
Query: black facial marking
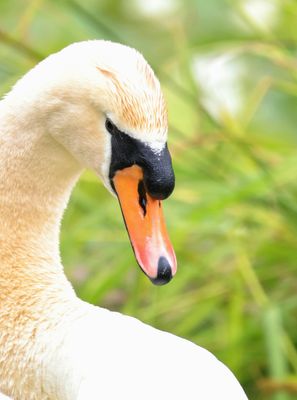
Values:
[(157, 169), (142, 197), (110, 126)]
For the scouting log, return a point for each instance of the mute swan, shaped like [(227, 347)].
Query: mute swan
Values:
[(98, 105)]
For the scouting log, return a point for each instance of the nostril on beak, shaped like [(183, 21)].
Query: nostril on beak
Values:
[(142, 200), (164, 272)]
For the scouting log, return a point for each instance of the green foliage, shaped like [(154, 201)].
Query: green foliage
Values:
[(233, 215)]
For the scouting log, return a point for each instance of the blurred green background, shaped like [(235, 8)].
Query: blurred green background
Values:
[(229, 72)]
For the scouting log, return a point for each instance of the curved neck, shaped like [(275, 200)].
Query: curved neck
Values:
[(36, 178)]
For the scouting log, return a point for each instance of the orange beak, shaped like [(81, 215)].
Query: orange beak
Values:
[(145, 224)]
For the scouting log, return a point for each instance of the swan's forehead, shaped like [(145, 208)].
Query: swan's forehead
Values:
[(136, 103)]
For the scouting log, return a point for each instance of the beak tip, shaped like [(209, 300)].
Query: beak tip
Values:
[(164, 274)]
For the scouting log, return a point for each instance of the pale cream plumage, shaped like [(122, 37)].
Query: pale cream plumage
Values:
[(53, 346)]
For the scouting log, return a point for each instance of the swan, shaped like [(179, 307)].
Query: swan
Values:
[(96, 105)]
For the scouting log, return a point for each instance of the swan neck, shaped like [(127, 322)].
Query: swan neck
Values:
[(36, 300), (36, 178)]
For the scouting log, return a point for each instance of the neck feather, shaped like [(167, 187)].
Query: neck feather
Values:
[(36, 178)]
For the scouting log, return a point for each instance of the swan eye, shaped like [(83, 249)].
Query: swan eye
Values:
[(111, 128)]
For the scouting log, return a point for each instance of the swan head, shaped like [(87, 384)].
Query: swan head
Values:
[(103, 103)]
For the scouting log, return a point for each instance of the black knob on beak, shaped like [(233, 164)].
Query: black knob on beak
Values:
[(158, 173)]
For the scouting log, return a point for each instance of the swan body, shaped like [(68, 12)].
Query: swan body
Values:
[(53, 346)]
